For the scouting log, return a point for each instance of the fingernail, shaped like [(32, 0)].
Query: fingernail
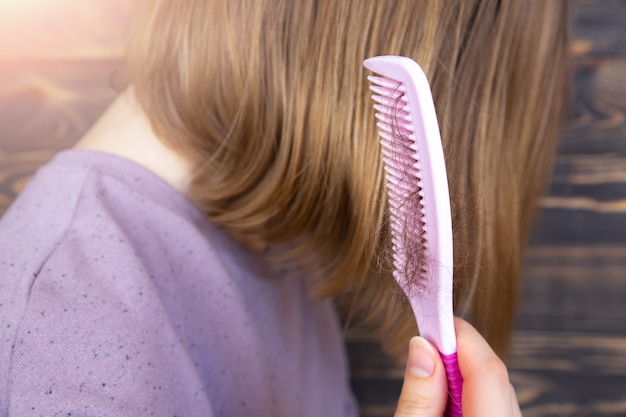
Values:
[(421, 358)]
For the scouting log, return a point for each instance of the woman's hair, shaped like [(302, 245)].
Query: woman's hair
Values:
[(269, 101)]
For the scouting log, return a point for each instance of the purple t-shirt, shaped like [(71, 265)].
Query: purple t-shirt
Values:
[(118, 299)]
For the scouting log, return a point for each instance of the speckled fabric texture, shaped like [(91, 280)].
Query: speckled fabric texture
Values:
[(118, 299)]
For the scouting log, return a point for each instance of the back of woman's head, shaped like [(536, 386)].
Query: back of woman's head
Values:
[(269, 101)]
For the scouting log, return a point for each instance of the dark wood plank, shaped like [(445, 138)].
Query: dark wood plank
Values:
[(569, 374), (599, 28), (568, 355), (586, 203), (596, 118), (574, 289)]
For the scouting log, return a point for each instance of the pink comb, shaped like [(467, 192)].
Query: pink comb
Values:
[(419, 203)]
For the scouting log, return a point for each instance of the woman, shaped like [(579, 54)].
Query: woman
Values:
[(167, 265)]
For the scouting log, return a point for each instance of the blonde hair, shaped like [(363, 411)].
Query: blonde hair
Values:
[(269, 100)]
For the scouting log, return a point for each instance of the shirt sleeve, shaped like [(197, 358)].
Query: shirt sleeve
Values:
[(94, 343)]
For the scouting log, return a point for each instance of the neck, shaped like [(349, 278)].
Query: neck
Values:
[(124, 130)]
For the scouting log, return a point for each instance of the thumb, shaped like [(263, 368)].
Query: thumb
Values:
[(424, 392)]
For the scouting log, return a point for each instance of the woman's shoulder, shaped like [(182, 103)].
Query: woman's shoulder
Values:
[(123, 293)]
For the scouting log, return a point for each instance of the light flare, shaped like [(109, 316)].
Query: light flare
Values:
[(63, 28)]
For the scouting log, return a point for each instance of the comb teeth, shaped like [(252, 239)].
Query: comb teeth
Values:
[(402, 172), (399, 113), (386, 83), (418, 194)]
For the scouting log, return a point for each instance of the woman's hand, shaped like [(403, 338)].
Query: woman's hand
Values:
[(486, 387)]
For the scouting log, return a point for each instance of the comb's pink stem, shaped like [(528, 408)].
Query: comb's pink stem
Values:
[(455, 385)]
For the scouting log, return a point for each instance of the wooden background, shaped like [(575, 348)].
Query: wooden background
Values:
[(569, 350)]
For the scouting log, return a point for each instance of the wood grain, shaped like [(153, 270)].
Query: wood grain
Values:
[(599, 28)]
